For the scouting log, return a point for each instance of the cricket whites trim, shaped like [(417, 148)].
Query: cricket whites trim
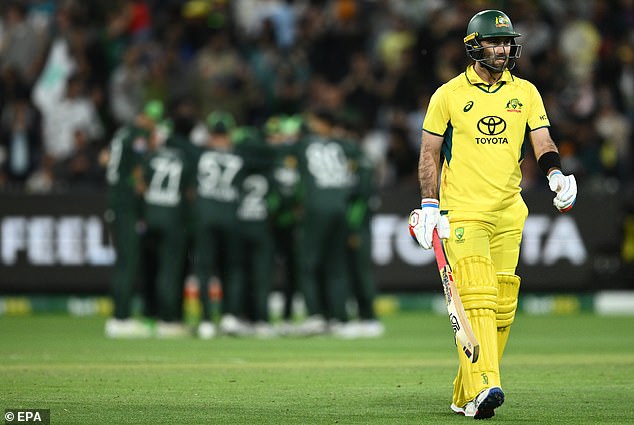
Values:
[(459, 323)]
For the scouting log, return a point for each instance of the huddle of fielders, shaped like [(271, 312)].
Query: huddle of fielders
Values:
[(206, 227)]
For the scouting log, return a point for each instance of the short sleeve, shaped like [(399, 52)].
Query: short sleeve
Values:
[(437, 116), (537, 117)]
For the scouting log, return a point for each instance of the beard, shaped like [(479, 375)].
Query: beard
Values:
[(495, 62)]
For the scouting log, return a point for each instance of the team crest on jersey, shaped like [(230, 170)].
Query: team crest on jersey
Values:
[(459, 232), (501, 21), (514, 105)]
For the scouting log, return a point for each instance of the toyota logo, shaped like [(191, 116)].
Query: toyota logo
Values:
[(491, 125)]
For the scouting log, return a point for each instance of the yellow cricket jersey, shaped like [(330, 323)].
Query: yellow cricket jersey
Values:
[(485, 134)]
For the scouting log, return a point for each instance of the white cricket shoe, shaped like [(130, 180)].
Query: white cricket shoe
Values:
[(335, 326), (487, 401), (468, 410), (264, 330), (127, 328), (360, 329), (231, 325), (371, 328), (312, 325), (172, 330), (348, 330), (206, 330), (285, 328)]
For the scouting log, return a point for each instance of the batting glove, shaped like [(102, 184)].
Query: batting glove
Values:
[(565, 188), (423, 221)]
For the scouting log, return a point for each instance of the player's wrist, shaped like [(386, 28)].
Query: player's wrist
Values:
[(549, 162), (429, 203), (554, 172)]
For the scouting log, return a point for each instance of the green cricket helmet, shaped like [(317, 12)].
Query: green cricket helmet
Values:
[(272, 124), (490, 24), (291, 125), (220, 122), (154, 110)]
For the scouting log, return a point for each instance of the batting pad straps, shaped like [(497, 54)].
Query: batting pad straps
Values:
[(508, 293), (476, 282)]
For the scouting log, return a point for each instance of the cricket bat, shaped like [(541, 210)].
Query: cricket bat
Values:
[(457, 316)]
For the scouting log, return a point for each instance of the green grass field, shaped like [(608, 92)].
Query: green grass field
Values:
[(558, 370)]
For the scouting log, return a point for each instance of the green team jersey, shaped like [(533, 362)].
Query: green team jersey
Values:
[(285, 172), (285, 178), (255, 183), (167, 174), (184, 144), (363, 191), (217, 190), (126, 150), (326, 169)]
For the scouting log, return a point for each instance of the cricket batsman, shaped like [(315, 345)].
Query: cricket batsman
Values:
[(472, 145)]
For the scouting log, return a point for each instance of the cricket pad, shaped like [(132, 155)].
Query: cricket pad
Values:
[(477, 283), (508, 294), (478, 287)]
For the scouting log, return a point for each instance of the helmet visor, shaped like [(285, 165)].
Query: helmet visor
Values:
[(495, 53)]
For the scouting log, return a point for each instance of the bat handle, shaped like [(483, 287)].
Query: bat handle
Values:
[(435, 239), (441, 258)]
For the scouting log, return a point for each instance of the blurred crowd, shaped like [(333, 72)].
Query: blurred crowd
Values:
[(74, 71)]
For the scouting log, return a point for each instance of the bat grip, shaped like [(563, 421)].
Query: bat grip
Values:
[(441, 258)]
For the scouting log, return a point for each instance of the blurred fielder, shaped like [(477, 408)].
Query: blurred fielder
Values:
[(473, 142), (123, 156)]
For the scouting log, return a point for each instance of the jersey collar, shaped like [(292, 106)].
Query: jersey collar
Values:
[(474, 79)]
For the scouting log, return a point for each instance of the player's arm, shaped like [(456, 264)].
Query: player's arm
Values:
[(429, 164), (543, 143), (423, 221), (549, 161)]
